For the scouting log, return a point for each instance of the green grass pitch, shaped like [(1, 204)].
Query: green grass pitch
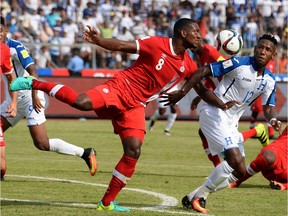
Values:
[(45, 183)]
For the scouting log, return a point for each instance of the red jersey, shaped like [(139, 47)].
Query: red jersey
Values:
[(278, 171), (156, 70), (6, 62)]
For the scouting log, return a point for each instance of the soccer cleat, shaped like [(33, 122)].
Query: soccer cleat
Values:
[(198, 204), (167, 133), (89, 156), (186, 203), (276, 185), (112, 207), (262, 134), (151, 124), (22, 83)]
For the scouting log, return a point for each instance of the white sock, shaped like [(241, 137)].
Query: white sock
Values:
[(62, 147), (226, 182), (170, 121), (155, 115), (218, 175)]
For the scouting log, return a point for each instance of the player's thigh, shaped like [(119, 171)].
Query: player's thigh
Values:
[(218, 131)]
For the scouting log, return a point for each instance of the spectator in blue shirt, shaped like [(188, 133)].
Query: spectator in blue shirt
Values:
[(76, 63)]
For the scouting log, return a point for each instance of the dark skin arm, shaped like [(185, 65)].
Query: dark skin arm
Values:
[(175, 96), (36, 101), (195, 82), (269, 113), (209, 97), (93, 36)]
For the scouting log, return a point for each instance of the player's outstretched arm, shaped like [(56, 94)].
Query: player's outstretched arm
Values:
[(174, 97), (210, 98), (93, 36)]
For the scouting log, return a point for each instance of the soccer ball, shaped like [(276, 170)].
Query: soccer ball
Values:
[(229, 42)]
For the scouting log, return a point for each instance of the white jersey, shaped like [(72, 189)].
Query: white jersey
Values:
[(240, 82), (21, 60)]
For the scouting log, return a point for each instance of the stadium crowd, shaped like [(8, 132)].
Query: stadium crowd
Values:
[(52, 29)]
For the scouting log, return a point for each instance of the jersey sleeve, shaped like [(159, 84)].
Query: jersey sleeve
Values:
[(268, 97), (223, 67), (24, 56), (6, 61), (147, 44)]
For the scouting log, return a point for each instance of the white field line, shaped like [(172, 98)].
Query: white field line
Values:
[(167, 201)]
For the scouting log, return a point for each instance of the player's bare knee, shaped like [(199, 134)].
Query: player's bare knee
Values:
[(42, 145)]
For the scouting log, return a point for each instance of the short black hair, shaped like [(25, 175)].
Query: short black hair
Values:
[(269, 37), (181, 24)]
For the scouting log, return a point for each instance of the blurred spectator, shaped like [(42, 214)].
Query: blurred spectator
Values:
[(106, 8), (250, 34), (52, 17), (114, 60), (76, 63), (35, 22), (280, 17), (5, 8), (55, 42), (43, 58), (139, 28), (97, 17), (72, 29), (32, 5), (65, 46), (283, 63), (126, 20), (47, 6), (86, 54), (214, 15)]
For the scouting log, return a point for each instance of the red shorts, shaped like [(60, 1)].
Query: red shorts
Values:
[(257, 105), (118, 108), (2, 142)]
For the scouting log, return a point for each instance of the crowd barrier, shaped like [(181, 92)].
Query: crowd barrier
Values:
[(91, 78)]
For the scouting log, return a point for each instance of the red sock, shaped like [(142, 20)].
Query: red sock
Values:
[(270, 131), (60, 92), (121, 174), (249, 133)]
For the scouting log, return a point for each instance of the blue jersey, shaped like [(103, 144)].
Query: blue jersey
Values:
[(240, 82), (21, 59)]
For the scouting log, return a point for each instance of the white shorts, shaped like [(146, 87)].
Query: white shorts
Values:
[(220, 132), (25, 109)]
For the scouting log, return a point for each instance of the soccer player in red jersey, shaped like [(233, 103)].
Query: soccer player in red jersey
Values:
[(162, 63), (7, 70), (206, 54), (272, 163)]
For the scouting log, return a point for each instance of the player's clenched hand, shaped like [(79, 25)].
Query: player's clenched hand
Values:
[(172, 97), (91, 35)]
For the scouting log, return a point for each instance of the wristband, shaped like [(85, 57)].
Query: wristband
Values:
[(272, 119)]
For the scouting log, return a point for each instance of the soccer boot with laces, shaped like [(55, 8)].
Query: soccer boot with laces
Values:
[(198, 204), (22, 83), (112, 207), (89, 156), (186, 202), (262, 134)]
